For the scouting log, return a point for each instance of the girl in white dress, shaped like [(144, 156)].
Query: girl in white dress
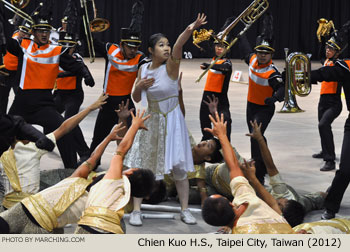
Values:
[(165, 147)]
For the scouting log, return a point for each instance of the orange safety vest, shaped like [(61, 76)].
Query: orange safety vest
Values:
[(66, 83), (40, 65), (121, 73), (10, 60), (348, 63), (259, 87), (328, 87), (215, 79)]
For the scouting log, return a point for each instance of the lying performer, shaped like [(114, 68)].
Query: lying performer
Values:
[(107, 199), (58, 205), (247, 213), (20, 165)]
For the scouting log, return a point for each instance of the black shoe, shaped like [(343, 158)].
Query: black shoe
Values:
[(327, 215), (328, 166), (318, 155)]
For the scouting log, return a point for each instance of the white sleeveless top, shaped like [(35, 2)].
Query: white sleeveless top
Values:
[(165, 147)]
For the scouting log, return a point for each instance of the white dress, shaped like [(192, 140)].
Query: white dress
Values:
[(165, 146)]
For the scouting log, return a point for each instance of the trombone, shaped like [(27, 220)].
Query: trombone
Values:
[(15, 6), (87, 30), (98, 24), (247, 17)]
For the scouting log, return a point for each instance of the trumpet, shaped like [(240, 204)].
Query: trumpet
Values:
[(15, 6), (298, 80), (247, 17)]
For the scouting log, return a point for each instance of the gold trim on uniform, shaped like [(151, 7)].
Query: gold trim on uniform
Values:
[(74, 191), (45, 214), (130, 40), (13, 198), (341, 224), (219, 183), (8, 161), (41, 211), (103, 218), (266, 228)]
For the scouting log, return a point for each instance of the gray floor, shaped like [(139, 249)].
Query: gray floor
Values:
[(292, 139)]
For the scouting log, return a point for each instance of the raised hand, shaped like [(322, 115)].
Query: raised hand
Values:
[(99, 102), (256, 134), (139, 120), (124, 112), (212, 104), (219, 126), (199, 22), (248, 169), (113, 135)]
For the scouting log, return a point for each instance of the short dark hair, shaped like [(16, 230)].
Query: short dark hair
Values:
[(159, 193), (217, 211), (293, 212), (216, 156), (142, 183)]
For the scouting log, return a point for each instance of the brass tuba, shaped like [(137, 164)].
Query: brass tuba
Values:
[(247, 17), (298, 80)]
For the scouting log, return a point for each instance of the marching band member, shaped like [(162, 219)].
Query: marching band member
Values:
[(38, 67), (122, 64), (217, 85), (339, 72), (69, 94), (329, 106), (265, 87)]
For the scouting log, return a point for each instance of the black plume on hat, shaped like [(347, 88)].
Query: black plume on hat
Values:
[(71, 12), (69, 37), (340, 39), (136, 16), (45, 12), (42, 15), (264, 42), (132, 35)]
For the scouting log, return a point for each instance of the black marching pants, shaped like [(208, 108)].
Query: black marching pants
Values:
[(329, 108), (262, 114), (223, 107), (4, 97), (342, 176), (69, 101), (37, 107), (107, 118)]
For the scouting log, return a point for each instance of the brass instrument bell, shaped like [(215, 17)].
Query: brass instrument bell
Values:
[(200, 36), (99, 25)]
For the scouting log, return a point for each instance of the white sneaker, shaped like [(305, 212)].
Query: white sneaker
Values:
[(135, 218), (187, 217)]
